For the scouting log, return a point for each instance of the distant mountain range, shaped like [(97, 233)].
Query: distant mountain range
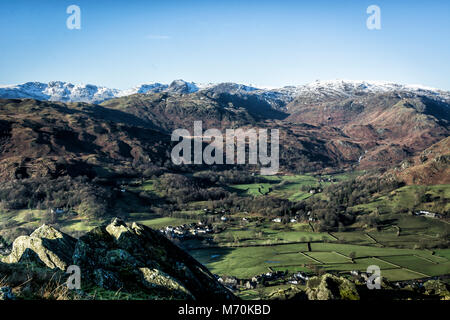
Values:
[(63, 128), (278, 98)]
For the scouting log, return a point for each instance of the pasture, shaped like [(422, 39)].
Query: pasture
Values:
[(395, 264)]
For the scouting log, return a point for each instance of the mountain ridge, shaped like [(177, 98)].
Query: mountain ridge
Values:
[(313, 92), (329, 125)]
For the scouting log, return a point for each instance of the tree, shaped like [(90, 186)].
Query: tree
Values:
[(352, 256)]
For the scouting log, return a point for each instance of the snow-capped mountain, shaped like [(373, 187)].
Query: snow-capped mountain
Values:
[(59, 91), (309, 93), (144, 88), (319, 91), (68, 92), (338, 89)]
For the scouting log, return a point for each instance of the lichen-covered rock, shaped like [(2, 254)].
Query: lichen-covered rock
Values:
[(156, 279), (437, 288), (291, 293), (106, 279), (45, 245), (330, 287), (139, 259), (134, 260), (6, 294)]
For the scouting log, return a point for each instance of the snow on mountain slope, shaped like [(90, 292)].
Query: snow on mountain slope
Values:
[(309, 93), (347, 88), (68, 92), (319, 91), (144, 88), (59, 91)]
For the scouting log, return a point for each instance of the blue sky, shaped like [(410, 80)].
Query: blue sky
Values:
[(264, 43)]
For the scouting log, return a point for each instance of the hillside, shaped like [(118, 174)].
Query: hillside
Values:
[(39, 138), (331, 126), (431, 166), (388, 127)]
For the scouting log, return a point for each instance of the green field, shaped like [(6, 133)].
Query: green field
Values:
[(396, 264), (285, 187), (249, 261), (405, 199), (247, 248), (269, 233), (32, 219), (254, 189)]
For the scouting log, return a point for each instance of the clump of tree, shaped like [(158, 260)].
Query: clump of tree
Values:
[(226, 177), (181, 189), (359, 190), (267, 206), (65, 192), (333, 214)]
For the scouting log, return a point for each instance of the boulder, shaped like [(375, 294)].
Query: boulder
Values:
[(330, 287)]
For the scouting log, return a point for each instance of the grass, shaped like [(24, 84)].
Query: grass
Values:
[(79, 225), (249, 261), (396, 264), (445, 253), (399, 274), (405, 198), (329, 257), (413, 231), (254, 189), (157, 223), (270, 233), (285, 187), (357, 237), (420, 265)]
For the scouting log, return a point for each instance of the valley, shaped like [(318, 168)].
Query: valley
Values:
[(363, 181), (243, 245)]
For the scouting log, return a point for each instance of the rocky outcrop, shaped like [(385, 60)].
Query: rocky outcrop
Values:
[(134, 259), (326, 287), (291, 293), (431, 166), (330, 287), (437, 288), (46, 245), (118, 256)]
